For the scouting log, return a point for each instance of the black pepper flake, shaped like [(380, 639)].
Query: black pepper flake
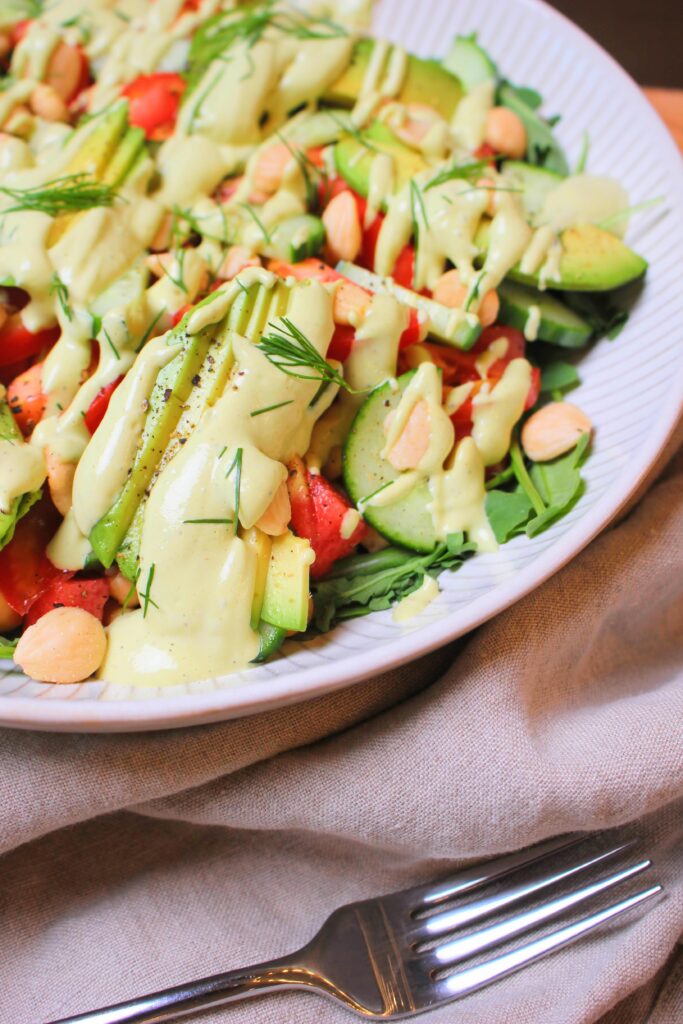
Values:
[(16, 409), (196, 380), (182, 440), (167, 394), (210, 360)]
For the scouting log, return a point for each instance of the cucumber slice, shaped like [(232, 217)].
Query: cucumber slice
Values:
[(470, 62), (559, 324), (406, 522), (451, 326), (536, 184), (297, 238)]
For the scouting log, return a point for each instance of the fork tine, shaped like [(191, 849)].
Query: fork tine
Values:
[(450, 920), (473, 978), (494, 935), (471, 878)]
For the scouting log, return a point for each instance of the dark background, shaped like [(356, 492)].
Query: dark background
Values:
[(646, 36)]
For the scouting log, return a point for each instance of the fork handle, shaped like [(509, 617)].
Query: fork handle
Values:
[(215, 990)]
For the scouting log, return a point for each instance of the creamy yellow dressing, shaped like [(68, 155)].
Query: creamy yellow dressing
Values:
[(453, 213), (416, 603), (371, 362), (459, 497), (469, 120), (103, 469), (201, 574), (22, 469), (496, 409)]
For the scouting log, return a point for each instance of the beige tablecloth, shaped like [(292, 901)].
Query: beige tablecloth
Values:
[(135, 862)]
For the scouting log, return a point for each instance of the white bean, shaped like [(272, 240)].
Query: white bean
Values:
[(554, 430), (65, 646)]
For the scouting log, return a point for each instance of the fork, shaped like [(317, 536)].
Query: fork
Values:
[(400, 955)]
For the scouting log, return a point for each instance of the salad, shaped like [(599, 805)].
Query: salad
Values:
[(288, 319)]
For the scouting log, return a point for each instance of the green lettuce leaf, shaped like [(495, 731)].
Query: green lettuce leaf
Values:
[(543, 148), (560, 485), (508, 513), (373, 582), (7, 647)]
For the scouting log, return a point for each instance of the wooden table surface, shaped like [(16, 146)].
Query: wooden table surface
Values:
[(669, 104)]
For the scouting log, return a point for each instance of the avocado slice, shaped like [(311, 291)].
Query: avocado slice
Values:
[(426, 81), (593, 260), (108, 152), (285, 600), (185, 387), (353, 159), (125, 157)]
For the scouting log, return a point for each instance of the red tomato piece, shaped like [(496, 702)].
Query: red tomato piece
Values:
[(18, 31), (404, 268), (534, 390), (25, 569), (342, 342), (307, 268), (17, 342), (90, 595), (303, 513), (180, 313), (99, 405), (153, 102), (318, 512), (26, 399), (414, 332)]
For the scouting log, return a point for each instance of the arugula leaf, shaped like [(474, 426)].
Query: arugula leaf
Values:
[(18, 508), (23, 502), (601, 311), (7, 647), (508, 512), (543, 148), (558, 376), (374, 582), (560, 485)]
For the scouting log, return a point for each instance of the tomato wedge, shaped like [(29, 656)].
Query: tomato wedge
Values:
[(90, 595), (17, 342), (26, 399), (153, 102), (318, 513), (99, 405), (25, 569)]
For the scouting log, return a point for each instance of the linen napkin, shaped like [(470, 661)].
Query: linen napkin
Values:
[(131, 863)]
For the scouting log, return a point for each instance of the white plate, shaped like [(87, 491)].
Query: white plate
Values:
[(633, 391)]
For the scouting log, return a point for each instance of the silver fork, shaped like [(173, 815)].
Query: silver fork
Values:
[(400, 955)]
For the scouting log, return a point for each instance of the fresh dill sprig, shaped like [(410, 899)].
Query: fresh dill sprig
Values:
[(213, 521), (200, 100), (223, 451), (127, 599), (248, 25), (178, 281), (236, 464), (148, 332), (111, 344), (351, 129), (474, 292), (69, 194), (630, 210), (146, 596), (289, 350), (270, 408), (309, 172), (582, 162), (58, 288), (258, 222), (466, 172)]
